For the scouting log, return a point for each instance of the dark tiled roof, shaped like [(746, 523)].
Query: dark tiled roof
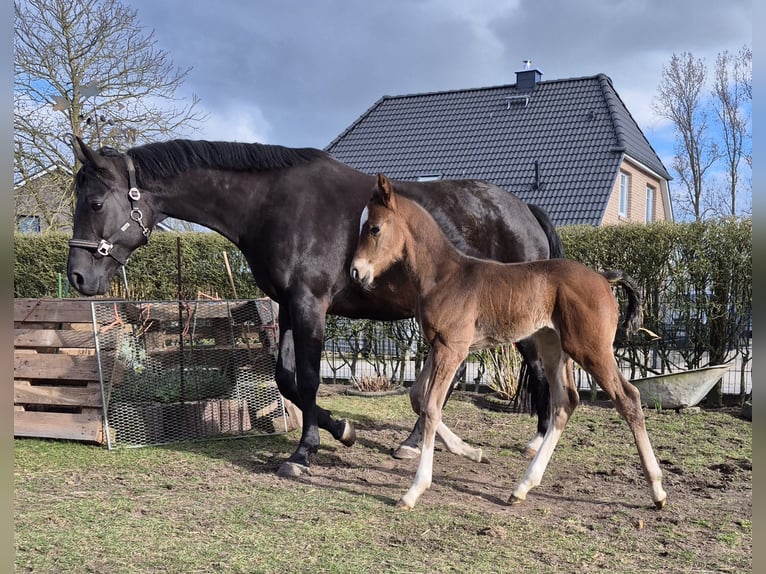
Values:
[(575, 129)]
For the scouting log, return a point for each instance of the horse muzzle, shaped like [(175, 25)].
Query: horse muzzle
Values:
[(361, 274), (88, 274)]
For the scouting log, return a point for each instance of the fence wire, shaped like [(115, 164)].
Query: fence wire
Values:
[(176, 370)]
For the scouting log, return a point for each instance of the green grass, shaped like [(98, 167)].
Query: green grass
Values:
[(217, 506)]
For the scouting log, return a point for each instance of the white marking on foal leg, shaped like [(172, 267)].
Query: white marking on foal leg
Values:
[(410, 448), (651, 468), (456, 445), (538, 465), (423, 476), (534, 445)]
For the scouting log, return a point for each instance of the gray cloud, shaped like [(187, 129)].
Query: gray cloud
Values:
[(305, 70)]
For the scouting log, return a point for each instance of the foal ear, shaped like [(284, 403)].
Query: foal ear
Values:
[(86, 155), (386, 191)]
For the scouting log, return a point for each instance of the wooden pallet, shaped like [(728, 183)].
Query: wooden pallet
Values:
[(57, 393), (55, 372)]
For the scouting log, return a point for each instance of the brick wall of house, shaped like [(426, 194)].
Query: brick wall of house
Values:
[(639, 180)]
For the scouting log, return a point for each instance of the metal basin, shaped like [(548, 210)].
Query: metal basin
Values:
[(679, 390)]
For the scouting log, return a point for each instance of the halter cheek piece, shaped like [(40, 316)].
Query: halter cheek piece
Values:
[(106, 247)]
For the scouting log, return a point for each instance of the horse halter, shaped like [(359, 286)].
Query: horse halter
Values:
[(106, 247)]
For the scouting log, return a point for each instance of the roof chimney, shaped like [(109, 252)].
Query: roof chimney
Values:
[(527, 78)]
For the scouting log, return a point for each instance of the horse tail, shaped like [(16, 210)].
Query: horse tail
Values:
[(556, 248), (634, 315), (533, 393)]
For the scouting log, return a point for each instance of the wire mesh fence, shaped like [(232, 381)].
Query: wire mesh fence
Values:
[(188, 370), (355, 349)]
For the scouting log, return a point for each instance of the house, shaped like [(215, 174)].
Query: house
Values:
[(570, 146), (43, 201)]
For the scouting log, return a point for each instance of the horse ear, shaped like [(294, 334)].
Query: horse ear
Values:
[(86, 155), (386, 191)]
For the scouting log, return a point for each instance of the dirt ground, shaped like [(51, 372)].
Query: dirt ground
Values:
[(592, 512), (594, 473), (722, 481)]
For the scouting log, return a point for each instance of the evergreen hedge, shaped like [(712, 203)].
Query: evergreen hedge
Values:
[(696, 279), (152, 272)]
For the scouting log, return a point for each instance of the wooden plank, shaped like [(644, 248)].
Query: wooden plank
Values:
[(26, 393), (53, 338), (55, 366), (52, 310), (86, 426)]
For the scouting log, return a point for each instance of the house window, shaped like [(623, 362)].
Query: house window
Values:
[(624, 193), (28, 223), (429, 177), (649, 203)]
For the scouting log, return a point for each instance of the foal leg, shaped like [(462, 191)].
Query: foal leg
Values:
[(458, 446), (410, 447), (564, 401), (445, 364), (627, 401), (539, 396)]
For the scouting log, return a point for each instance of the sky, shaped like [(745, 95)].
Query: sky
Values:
[(298, 72)]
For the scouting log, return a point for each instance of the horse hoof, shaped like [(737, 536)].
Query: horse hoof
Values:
[(484, 459), (293, 470), (405, 452), (401, 505), (349, 433), (513, 500), (660, 504)]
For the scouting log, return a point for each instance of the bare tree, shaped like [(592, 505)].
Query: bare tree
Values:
[(731, 94), (680, 100), (87, 67)]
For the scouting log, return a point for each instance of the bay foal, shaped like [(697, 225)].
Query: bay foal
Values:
[(465, 304)]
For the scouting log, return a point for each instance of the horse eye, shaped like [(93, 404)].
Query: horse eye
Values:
[(96, 206), (374, 230)]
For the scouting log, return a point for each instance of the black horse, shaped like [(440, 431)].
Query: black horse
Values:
[(294, 213)]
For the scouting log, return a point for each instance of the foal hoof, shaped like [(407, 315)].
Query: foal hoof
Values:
[(660, 504), (405, 452), (293, 470), (513, 500), (401, 505), (348, 437), (530, 452)]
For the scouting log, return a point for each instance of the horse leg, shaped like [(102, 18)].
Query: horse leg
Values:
[(456, 445), (444, 366), (627, 401), (537, 387), (564, 400), (303, 367), (410, 448)]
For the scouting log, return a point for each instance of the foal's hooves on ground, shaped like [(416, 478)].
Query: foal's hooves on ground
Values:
[(401, 505), (405, 452), (514, 501), (293, 470), (660, 504), (349, 433)]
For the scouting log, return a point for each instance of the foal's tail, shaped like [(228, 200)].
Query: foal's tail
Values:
[(634, 315)]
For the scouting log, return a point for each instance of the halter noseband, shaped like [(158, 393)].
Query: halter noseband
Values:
[(106, 247)]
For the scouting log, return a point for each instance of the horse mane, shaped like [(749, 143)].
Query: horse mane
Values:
[(170, 158)]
